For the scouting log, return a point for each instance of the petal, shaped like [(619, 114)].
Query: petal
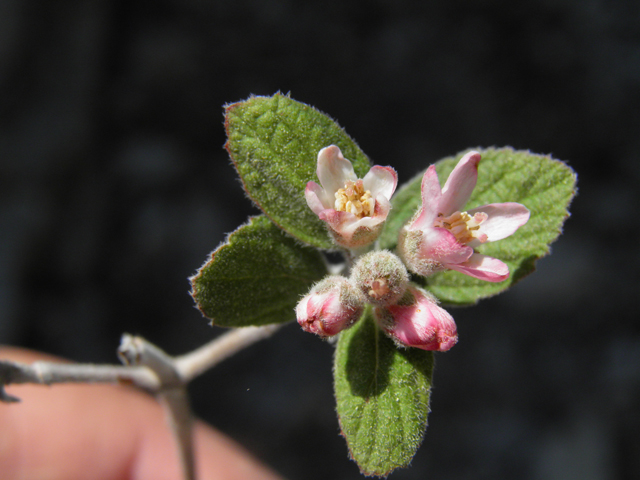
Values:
[(302, 309), (381, 208), (431, 194), (331, 306), (483, 267), (422, 325), (381, 181), (460, 184), (315, 304), (504, 219), (334, 170), (440, 244), (316, 198), (345, 223)]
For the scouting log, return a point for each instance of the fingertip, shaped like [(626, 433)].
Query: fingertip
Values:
[(108, 432)]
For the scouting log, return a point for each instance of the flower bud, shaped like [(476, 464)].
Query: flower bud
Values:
[(332, 305), (417, 321), (381, 277)]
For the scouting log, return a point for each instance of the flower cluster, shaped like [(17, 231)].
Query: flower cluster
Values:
[(441, 236), (409, 315)]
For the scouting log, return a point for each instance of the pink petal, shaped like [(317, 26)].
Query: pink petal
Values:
[(504, 219), (482, 267), (316, 198), (333, 169), (422, 325), (345, 223), (440, 245), (381, 181), (315, 304), (323, 312), (331, 306), (302, 309), (460, 184), (431, 195)]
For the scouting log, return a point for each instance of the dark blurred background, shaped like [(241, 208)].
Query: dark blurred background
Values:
[(115, 187)]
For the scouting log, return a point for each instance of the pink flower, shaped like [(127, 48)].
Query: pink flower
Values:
[(353, 209), (418, 322), (332, 305), (443, 236)]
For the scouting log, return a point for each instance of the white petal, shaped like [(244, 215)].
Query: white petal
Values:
[(381, 181), (334, 170), (370, 222), (504, 219), (317, 198)]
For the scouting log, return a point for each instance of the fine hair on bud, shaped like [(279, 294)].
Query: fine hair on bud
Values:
[(332, 305), (349, 296), (381, 277), (417, 321)]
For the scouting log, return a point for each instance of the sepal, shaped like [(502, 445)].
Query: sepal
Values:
[(381, 277)]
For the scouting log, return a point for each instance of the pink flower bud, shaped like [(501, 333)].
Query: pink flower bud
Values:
[(417, 321), (353, 209), (381, 277), (332, 305)]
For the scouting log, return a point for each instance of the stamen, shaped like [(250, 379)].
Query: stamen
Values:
[(463, 226), (379, 288), (354, 199)]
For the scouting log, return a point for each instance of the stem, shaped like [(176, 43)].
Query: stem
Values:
[(352, 255), (148, 368), (176, 404), (47, 373), (202, 359)]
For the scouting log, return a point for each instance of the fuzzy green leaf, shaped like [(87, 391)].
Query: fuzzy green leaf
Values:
[(544, 185), (256, 277), (382, 395), (274, 144)]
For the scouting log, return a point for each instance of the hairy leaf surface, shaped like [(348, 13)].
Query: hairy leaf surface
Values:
[(256, 277), (382, 393), (274, 144)]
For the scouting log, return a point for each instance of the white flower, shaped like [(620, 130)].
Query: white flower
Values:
[(354, 209)]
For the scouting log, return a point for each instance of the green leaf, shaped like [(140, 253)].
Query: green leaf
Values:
[(382, 393), (544, 185), (256, 277), (274, 144)]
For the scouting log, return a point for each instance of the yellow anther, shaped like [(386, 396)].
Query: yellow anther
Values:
[(354, 199), (463, 226)]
